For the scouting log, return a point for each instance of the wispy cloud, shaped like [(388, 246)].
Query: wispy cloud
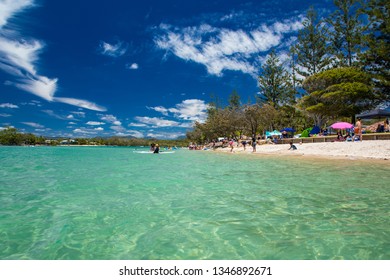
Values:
[(137, 124), (20, 57), (165, 135), (113, 50), (8, 105), (220, 49), (51, 113), (33, 124), (95, 123), (81, 103), (5, 115), (9, 7), (157, 122)]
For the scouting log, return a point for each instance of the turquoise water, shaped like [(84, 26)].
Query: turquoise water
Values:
[(112, 203)]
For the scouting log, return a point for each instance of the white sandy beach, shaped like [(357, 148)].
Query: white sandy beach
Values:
[(368, 149)]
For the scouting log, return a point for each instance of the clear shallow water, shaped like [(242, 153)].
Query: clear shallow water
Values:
[(112, 203)]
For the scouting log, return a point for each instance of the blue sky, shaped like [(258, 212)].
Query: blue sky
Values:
[(89, 68)]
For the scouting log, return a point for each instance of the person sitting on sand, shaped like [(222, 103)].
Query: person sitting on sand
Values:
[(340, 136), (292, 146), (348, 137)]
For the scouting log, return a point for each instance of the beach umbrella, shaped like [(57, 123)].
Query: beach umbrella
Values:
[(275, 132), (341, 125)]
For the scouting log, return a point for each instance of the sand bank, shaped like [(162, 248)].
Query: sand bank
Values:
[(370, 149)]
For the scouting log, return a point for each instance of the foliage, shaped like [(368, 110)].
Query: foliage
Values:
[(275, 82), (11, 137), (339, 92), (376, 60), (348, 29), (311, 52)]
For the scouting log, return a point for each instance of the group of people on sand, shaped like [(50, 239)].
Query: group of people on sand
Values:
[(253, 143)]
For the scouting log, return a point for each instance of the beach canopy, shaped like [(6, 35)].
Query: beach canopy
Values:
[(273, 133), (377, 113), (341, 125), (287, 129), (315, 130)]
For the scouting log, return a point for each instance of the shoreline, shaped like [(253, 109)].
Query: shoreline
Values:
[(365, 150)]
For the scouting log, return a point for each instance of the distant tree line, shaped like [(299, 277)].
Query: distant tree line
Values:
[(12, 137), (338, 67)]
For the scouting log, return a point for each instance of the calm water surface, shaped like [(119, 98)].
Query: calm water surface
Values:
[(113, 203)]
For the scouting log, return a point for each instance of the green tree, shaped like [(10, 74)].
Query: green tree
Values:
[(11, 137), (377, 57), (348, 29), (311, 52), (275, 82), (252, 118), (339, 92)]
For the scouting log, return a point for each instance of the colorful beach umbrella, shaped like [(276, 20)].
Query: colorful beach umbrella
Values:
[(341, 125)]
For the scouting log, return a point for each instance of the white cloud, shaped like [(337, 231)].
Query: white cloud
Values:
[(99, 128), (95, 123), (5, 115), (115, 50), (133, 66), (189, 110), (33, 124), (51, 113), (167, 135), (79, 113), (8, 105), (111, 119), (19, 59), (224, 49), (157, 122), (84, 131), (33, 103), (137, 124), (118, 128), (9, 7), (81, 103), (135, 133), (160, 109)]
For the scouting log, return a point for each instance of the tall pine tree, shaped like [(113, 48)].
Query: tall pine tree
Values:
[(346, 38), (311, 53), (377, 57), (275, 82)]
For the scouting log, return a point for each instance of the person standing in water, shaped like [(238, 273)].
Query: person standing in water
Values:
[(156, 149)]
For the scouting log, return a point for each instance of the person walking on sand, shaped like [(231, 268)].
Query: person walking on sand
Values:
[(254, 143), (231, 145), (358, 129)]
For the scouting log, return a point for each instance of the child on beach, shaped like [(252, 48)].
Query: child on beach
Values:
[(292, 146)]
